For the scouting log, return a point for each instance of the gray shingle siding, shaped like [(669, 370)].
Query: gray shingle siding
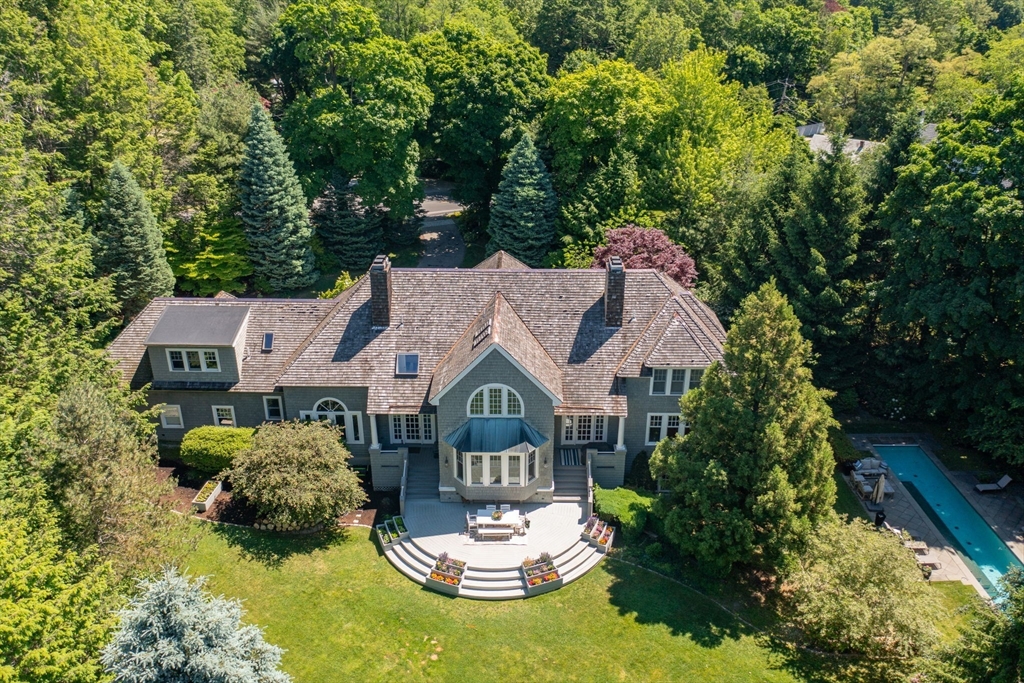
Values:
[(638, 394), (197, 409), (537, 411), (162, 371), (298, 399)]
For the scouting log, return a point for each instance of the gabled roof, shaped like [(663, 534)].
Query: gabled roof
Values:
[(198, 325), (684, 333), (498, 325), (501, 260)]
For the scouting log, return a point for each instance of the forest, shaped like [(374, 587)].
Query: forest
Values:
[(142, 142)]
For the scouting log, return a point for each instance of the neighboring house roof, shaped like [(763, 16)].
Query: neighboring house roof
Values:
[(291, 321), (929, 132), (198, 325), (810, 129), (498, 325), (501, 260), (549, 322)]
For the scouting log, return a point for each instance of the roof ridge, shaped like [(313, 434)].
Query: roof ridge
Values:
[(451, 349), (700, 323), (528, 331), (640, 337), (675, 314)]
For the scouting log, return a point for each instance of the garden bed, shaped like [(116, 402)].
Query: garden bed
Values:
[(207, 494), (541, 575)]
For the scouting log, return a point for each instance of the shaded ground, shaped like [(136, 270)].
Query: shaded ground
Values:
[(440, 239)]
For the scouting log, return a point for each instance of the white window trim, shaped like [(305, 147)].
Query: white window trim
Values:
[(353, 419), (593, 428), (505, 389), (426, 424), (524, 470), (216, 420), (398, 368), (163, 418), (266, 408), (664, 426), (668, 380), (202, 360)]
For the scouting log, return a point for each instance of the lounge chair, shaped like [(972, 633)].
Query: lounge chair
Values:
[(929, 560), (998, 486), (919, 547)]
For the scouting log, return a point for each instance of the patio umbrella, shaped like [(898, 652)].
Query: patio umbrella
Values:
[(878, 495)]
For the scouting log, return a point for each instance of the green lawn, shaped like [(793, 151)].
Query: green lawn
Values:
[(344, 614), (846, 500)]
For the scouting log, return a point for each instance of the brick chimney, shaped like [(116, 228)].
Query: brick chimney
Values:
[(614, 292), (380, 291)]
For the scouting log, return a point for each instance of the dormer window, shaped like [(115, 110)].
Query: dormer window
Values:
[(193, 360), (407, 364)]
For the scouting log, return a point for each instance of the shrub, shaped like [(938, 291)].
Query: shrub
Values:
[(653, 550), (857, 590), (841, 446), (212, 449), (296, 474), (640, 473), (624, 507)]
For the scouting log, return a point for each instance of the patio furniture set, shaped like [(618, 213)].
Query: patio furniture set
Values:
[(871, 480), (926, 559), (493, 523)]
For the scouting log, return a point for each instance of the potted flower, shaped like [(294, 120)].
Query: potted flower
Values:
[(204, 499), (588, 527), (446, 577), (596, 532), (497, 515), (605, 541), (540, 575), (403, 532), (385, 537)]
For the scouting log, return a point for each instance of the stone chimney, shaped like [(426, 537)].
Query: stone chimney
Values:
[(614, 292), (380, 292)]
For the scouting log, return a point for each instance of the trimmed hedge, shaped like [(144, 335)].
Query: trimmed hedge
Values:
[(212, 449), (640, 473), (624, 507), (841, 446)]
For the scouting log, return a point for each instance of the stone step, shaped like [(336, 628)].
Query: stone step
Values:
[(568, 499), (474, 594), (581, 569), (508, 584)]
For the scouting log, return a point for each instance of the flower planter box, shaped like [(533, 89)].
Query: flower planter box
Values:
[(403, 531), (449, 566), (443, 583), (545, 581), (392, 529), (587, 528), (204, 499), (595, 535), (606, 540), (384, 536)]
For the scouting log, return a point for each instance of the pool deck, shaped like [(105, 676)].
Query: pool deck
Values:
[(903, 512)]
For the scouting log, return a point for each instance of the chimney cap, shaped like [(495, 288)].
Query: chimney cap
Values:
[(380, 262), (614, 263)]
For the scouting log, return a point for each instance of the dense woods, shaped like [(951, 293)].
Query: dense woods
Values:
[(194, 146)]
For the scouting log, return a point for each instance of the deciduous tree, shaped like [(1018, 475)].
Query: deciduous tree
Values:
[(647, 248)]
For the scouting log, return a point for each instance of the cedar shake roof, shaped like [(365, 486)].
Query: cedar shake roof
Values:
[(498, 324), (551, 322), (501, 260), (291, 321)]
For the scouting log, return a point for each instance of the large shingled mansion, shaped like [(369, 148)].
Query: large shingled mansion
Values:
[(504, 374)]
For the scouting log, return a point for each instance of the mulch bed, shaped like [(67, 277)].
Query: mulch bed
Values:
[(232, 511)]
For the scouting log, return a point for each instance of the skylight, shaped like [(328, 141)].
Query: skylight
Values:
[(268, 341), (407, 364)]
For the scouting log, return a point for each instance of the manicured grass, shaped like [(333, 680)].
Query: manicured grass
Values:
[(846, 499), (957, 600), (343, 613)]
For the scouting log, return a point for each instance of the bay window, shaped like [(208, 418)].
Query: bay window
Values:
[(496, 469)]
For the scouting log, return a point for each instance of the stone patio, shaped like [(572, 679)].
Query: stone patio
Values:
[(1003, 511)]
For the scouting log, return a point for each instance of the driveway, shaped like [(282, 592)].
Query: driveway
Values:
[(440, 239)]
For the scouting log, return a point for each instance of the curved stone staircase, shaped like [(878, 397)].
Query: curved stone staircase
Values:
[(504, 583)]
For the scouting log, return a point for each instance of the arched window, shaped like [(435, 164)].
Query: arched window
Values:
[(334, 411), (495, 400)]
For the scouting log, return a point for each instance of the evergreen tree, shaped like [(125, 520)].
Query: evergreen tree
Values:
[(274, 210), (815, 259), (352, 235), (176, 631), (130, 247), (523, 214), (754, 474)]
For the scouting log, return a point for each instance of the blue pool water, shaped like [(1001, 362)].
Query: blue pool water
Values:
[(987, 556)]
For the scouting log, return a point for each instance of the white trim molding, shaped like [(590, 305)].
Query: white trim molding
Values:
[(555, 401)]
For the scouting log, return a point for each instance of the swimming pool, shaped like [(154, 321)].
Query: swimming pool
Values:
[(985, 553)]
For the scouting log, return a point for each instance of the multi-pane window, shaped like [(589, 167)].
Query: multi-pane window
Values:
[(674, 381), (273, 409), (170, 416), (515, 475), (531, 466), (224, 416), (583, 428), (476, 469), (193, 360), (496, 469), (459, 465), (413, 427), (662, 426), (334, 411), (495, 400)]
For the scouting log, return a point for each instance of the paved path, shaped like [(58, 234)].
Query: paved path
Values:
[(442, 243)]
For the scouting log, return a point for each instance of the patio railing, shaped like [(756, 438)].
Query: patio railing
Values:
[(590, 489), (405, 482)]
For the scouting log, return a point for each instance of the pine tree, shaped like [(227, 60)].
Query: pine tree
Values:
[(524, 210), (274, 210), (816, 257), (176, 631), (130, 247), (354, 237), (754, 474)]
